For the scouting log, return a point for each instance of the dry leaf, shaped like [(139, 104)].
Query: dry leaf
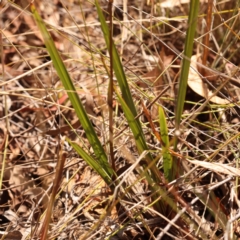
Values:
[(196, 84), (18, 179), (36, 195), (218, 167), (175, 3)]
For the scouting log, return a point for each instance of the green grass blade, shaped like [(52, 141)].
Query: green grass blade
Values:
[(154, 179), (72, 94), (130, 110), (188, 49), (117, 65), (167, 157), (134, 126), (91, 162)]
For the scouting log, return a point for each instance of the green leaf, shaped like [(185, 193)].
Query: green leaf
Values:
[(167, 157), (181, 95), (135, 127), (72, 94), (117, 65), (188, 49), (91, 162)]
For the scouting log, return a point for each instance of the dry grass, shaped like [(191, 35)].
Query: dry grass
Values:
[(36, 115)]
